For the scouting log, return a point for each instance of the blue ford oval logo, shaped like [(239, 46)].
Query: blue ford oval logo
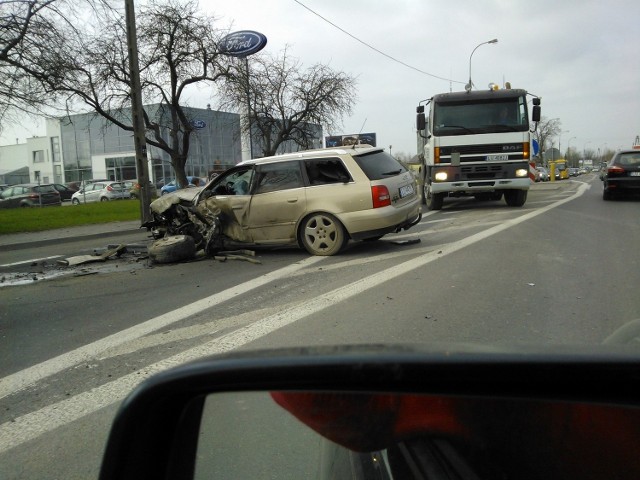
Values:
[(198, 124), (242, 43)]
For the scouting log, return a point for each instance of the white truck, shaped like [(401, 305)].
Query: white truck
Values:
[(476, 142)]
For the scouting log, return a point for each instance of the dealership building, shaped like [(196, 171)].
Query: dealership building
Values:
[(86, 146)]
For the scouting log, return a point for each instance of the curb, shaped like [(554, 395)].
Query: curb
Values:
[(21, 241)]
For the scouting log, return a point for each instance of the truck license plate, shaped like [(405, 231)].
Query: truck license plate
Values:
[(406, 191), (501, 157)]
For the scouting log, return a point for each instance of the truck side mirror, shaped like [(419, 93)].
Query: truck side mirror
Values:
[(535, 116), (421, 122)]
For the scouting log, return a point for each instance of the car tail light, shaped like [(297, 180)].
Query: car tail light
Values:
[(381, 197), (34, 196), (615, 169)]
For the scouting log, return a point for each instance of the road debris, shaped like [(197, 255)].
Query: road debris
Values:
[(84, 259)]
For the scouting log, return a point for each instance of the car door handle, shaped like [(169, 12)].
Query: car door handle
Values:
[(292, 200)]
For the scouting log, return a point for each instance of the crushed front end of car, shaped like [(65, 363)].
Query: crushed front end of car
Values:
[(208, 222)]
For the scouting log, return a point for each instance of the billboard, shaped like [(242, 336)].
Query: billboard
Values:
[(347, 140)]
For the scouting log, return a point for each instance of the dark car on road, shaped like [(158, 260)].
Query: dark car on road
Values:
[(65, 191), (622, 174), (30, 195)]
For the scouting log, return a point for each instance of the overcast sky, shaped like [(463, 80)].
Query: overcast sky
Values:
[(581, 57)]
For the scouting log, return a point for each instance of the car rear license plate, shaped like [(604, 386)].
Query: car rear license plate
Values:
[(406, 190), (634, 174), (501, 157)]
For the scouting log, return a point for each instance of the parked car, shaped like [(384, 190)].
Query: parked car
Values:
[(29, 195), (100, 192), (317, 199), (172, 186), (622, 174), (65, 191), (543, 174)]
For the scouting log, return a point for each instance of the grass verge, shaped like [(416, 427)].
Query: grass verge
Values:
[(14, 220)]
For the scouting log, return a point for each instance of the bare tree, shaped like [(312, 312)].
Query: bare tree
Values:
[(177, 48), (29, 30), (285, 101), (547, 130)]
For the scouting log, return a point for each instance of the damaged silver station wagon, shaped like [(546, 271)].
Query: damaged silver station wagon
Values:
[(316, 199)]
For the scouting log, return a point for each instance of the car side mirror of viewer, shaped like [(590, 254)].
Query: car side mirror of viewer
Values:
[(391, 409)]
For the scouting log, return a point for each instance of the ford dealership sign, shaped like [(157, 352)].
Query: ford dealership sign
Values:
[(242, 43)]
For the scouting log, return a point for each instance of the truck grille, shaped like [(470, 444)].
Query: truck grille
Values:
[(481, 171), (478, 153)]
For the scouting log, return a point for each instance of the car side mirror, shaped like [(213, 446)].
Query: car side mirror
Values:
[(339, 405)]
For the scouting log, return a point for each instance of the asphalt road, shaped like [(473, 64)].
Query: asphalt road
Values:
[(561, 270)]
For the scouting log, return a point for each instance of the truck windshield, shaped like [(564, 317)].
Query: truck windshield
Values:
[(480, 116)]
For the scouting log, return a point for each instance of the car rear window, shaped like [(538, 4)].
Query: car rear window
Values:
[(44, 189), (631, 159), (323, 171), (379, 165)]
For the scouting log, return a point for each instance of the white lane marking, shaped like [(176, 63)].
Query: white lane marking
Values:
[(436, 221), (34, 424), (29, 262), (20, 380)]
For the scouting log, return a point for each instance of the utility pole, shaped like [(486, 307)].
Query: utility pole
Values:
[(140, 142)]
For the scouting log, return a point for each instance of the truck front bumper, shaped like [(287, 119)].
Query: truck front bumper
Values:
[(471, 186)]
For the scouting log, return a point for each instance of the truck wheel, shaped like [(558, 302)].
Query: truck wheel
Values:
[(433, 201), (172, 249), (515, 198)]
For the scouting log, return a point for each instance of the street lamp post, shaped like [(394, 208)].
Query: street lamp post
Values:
[(584, 149), (569, 148), (469, 85), (559, 138)]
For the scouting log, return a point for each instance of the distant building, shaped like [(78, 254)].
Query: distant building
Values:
[(92, 147), (38, 159)]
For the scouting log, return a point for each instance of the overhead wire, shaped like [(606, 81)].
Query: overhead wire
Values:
[(374, 48)]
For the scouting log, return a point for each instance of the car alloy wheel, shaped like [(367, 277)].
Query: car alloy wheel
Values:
[(104, 199), (322, 234), (75, 201)]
